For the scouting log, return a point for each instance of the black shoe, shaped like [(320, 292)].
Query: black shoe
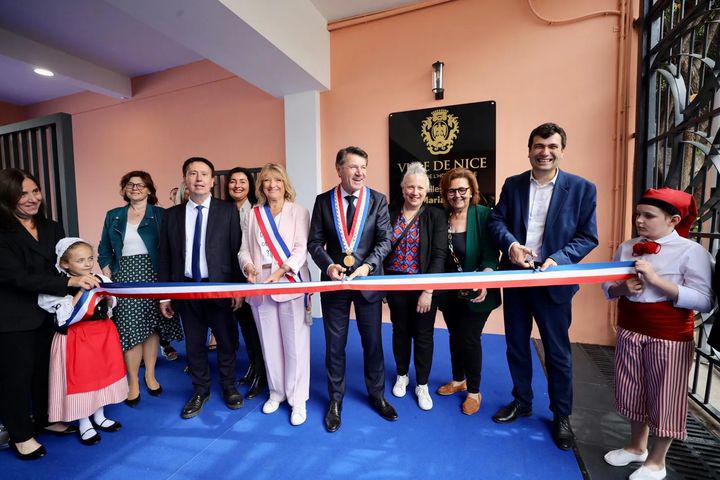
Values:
[(257, 386), (133, 402), (381, 406), (511, 412), (156, 392), (562, 433), (332, 417), (233, 398), (193, 406), (249, 375), (69, 429), (95, 439), (34, 455), (104, 427)]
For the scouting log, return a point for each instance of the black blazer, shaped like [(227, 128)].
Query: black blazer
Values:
[(433, 238), (27, 268), (324, 246), (222, 243)]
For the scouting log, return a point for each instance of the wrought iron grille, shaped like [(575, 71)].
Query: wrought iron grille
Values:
[(678, 134), (43, 147)]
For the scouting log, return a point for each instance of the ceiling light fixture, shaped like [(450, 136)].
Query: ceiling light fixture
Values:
[(44, 72)]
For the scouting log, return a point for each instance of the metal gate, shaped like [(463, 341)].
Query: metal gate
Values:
[(678, 133)]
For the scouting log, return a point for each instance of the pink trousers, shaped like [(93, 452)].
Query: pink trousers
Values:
[(285, 340)]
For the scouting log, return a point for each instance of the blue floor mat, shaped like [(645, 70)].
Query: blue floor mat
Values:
[(154, 442)]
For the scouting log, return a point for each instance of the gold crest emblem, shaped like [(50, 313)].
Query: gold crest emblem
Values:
[(439, 131)]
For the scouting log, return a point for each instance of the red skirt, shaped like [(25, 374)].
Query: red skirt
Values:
[(94, 357)]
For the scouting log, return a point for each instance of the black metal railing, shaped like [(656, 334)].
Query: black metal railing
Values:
[(678, 134), (43, 146)]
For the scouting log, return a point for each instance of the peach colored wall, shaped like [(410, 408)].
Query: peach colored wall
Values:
[(198, 109), (10, 113), (492, 51)]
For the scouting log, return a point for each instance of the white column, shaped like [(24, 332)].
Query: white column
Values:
[(302, 156)]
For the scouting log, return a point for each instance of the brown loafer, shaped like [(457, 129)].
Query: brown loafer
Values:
[(471, 405), (449, 388)]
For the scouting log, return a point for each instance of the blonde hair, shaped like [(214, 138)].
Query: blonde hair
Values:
[(278, 170)]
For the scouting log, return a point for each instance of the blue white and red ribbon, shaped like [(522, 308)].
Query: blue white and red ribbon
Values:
[(553, 276), (277, 246), (349, 235)]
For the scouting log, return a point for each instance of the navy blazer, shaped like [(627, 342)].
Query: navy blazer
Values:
[(223, 238), (113, 235), (570, 227), (324, 246)]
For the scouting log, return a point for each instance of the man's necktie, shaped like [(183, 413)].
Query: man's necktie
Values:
[(350, 211), (646, 247), (197, 276)]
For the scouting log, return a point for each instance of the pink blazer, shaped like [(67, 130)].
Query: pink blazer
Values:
[(294, 227)]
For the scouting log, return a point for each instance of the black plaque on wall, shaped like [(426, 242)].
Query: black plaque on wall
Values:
[(441, 139)]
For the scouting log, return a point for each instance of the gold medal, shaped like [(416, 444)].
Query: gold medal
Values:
[(349, 260)]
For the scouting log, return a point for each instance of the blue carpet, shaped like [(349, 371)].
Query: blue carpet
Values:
[(246, 443)]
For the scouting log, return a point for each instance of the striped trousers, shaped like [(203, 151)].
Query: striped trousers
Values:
[(651, 381)]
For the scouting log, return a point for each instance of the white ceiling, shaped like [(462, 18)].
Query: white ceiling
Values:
[(334, 10), (114, 40)]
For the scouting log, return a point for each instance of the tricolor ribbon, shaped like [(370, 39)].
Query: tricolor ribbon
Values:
[(553, 276), (349, 235), (277, 246)]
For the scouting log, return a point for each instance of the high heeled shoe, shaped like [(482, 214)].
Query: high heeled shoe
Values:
[(249, 375), (34, 455), (156, 392), (132, 402)]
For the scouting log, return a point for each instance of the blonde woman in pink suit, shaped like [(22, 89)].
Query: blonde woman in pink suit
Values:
[(274, 249)]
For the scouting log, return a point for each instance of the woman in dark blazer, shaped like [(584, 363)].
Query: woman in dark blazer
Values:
[(27, 268), (470, 248), (128, 252), (419, 244)]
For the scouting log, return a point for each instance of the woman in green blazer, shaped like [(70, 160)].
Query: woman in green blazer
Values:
[(470, 248), (128, 252)]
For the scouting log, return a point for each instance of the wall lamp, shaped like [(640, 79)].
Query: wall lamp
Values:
[(437, 81)]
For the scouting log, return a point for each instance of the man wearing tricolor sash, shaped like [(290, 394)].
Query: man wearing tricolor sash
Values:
[(350, 237), (545, 217)]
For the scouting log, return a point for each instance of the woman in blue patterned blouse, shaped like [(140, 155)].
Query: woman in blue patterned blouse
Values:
[(419, 245)]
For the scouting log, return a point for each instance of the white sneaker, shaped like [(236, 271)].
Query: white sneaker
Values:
[(644, 473), (621, 457), (270, 406), (400, 385), (423, 396), (298, 416)]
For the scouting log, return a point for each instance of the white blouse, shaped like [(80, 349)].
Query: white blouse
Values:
[(132, 243)]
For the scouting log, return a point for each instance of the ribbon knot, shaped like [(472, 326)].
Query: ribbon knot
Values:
[(646, 247)]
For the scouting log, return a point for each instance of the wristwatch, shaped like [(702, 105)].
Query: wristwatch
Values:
[(371, 267)]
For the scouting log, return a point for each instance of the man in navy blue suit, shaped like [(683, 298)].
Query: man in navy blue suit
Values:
[(350, 237), (545, 217)]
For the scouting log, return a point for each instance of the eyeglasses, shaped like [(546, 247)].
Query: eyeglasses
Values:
[(135, 186), (451, 192)]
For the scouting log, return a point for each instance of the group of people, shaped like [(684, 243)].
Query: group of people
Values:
[(544, 217)]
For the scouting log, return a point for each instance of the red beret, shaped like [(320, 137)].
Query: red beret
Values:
[(674, 202)]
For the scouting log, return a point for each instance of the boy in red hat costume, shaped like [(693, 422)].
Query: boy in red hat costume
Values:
[(655, 327)]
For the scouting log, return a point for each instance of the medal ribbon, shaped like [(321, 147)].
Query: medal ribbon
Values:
[(350, 239)]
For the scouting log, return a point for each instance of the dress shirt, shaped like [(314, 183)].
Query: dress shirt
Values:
[(344, 194), (538, 204), (190, 216), (684, 262)]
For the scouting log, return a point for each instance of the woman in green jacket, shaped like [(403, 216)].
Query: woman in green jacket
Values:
[(128, 252), (470, 248)]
